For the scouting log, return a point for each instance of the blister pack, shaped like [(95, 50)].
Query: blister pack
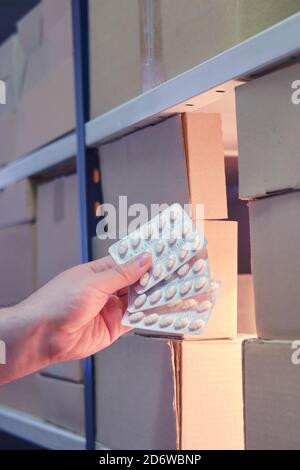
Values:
[(188, 317), (176, 295), (171, 238)]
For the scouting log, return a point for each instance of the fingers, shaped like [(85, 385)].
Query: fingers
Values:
[(118, 277), (101, 264)]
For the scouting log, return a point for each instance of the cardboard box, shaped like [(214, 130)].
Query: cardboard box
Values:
[(158, 393), (246, 307), (255, 16), (17, 204), (222, 256), (58, 242), (30, 30), (160, 176), (70, 370), (62, 403), (274, 231), (115, 71), (17, 263), (272, 394), (268, 140), (22, 395), (7, 136), (193, 31), (205, 163), (51, 105), (52, 11)]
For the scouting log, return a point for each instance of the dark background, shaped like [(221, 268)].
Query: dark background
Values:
[(10, 12)]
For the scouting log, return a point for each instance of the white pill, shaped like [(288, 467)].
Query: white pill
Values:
[(157, 270), (140, 300), (155, 296), (181, 323), (144, 279), (148, 232), (196, 325), (200, 282), (151, 319), (186, 228), (136, 317), (174, 305), (196, 243), (161, 222), (199, 265), (170, 292), (171, 261), (183, 252), (166, 321), (159, 247), (189, 304), (213, 287), (135, 240), (186, 286), (122, 248), (172, 237), (183, 270), (203, 306), (173, 214)]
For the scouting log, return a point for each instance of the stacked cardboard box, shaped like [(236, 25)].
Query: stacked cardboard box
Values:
[(36, 64), (168, 390), (164, 38), (269, 176)]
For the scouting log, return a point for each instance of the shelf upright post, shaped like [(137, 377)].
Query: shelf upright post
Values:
[(89, 187)]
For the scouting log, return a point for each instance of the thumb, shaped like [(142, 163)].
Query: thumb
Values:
[(118, 277)]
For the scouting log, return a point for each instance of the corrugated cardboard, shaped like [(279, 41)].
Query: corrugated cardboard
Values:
[(149, 166), (17, 204), (222, 254), (62, 403), (205, 163), (195, 30), (274, 230), (7, 136), (272, 394), (255, 15), (58, 245), (154, 393), (52, 11), (17, 263), (268, 140), (70, 370), (115, 71), (246, 306), (30, 30), (22, 395), (51, 105)]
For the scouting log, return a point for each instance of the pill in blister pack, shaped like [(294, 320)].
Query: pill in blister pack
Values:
[(177, 321), (170, 237), (161, 294)]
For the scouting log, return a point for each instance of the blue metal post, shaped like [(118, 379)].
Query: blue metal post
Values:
[(89, 189)]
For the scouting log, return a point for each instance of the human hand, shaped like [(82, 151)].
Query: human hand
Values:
[(74, 315)]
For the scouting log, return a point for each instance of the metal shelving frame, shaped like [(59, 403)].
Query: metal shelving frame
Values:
[(276, 46)]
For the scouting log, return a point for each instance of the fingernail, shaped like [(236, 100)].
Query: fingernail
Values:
[(143, 259)]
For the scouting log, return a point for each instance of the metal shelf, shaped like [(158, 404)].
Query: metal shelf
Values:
[(258, 54), (39, 432), (39, 162), (277, 45)]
